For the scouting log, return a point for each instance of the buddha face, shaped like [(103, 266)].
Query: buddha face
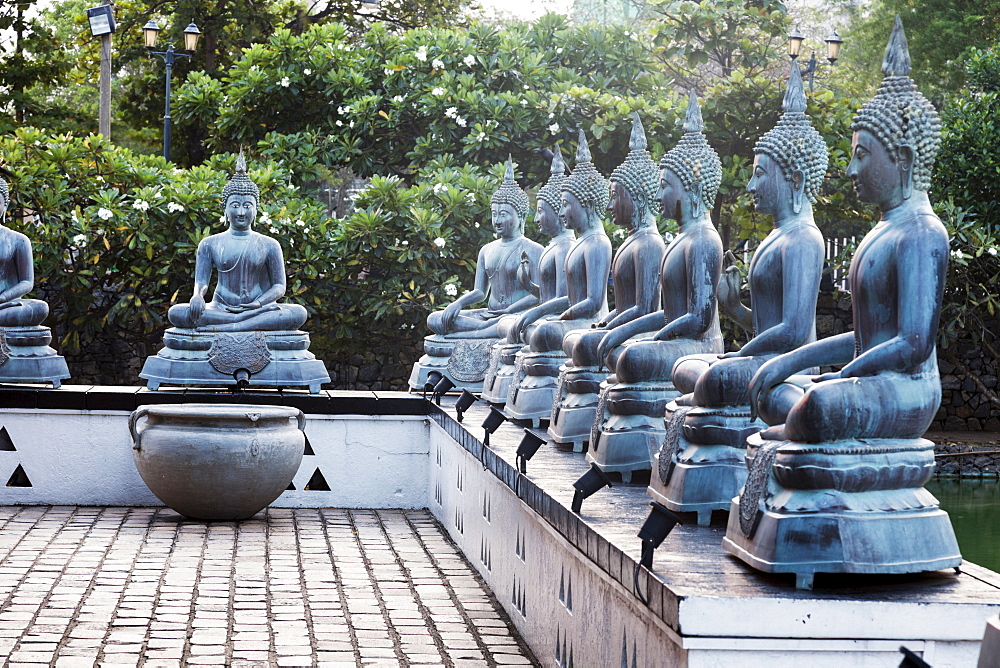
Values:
[(241, 211), (620, 205), (877, 178), (506, 222), (670, 195), (572, 213), (766, 184), (548, 221)]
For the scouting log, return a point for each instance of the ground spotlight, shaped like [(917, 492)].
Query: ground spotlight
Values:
[(528, 447), (492, 421), (589, 482), (464, 403), (433, 378), (656, 527), (444, 386)]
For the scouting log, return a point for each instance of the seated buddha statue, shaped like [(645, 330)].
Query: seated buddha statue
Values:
[(635, 276), (26, 357), (583, 200), (641, 353), (701, 466), (464, 336), (551, 280), (835, 484), (250, 269), (243, 333)]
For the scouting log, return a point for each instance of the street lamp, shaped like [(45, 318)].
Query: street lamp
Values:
[(833, 42), (150, 31)]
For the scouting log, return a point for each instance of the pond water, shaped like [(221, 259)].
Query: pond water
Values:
[(974, 507)]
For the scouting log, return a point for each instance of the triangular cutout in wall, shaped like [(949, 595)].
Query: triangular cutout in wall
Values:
[(309, 448), (317, 483), (6, 445), (19, 478)]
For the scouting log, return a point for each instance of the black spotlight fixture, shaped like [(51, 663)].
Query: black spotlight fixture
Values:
[(589, 482), (464, 403), (660, 522), (529, 445), (444, 386), (433, 378), (492, 421)]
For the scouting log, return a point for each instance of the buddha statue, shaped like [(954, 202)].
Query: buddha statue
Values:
[(25, 355), (628, 426), (836, 483), (463, 336), (243, 325), (701, 466), (551, 281), (635, 274), (583, 200)]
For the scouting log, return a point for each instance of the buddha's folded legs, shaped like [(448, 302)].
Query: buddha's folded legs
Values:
[(582, 345), (889, 405), (650, 360), (477, 323), (727, 382), (27, 313), (273, 317), (548, 335), (688, 369)]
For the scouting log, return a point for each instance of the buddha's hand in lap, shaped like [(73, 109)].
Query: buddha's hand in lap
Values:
[(735, 353), (251, 306), (610, 341), (833, 375), (771, 374), (12, 303), (196, 308)]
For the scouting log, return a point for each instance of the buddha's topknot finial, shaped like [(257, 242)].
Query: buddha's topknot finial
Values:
[(240, 183), (638, 173), (692, 118), (510, 193), (897, 54), (586, 183), (693, 160), (552, 190), (795, 94)]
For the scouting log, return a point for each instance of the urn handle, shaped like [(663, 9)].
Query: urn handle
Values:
[(136, 415), (301, 419)]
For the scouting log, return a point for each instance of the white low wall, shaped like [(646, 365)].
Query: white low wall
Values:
[(81, 457)]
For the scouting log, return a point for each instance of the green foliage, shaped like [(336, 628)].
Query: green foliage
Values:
[(968, 167)]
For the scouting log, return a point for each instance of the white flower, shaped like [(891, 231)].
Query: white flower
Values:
[(551, 115), (439, 242), (438, 91), (460, 121), (421, 54), (284, 82), (80, 240), (451, 112), (439, 188), (307, 71), (222, 218), (469, 60), (559, 50), (300, 223), (105, 214), (451, 290), (554, 128), (174, 207), (73, 217), (397, 98), (100, 178), (274, 230), (471, 197), (405, 242), (481, 136), (957, 254), (343, 110), (339, 123), (351, 124), (476, 224), (387, 71), (265, 219), (524, 103), (437, 64), (991, 251)]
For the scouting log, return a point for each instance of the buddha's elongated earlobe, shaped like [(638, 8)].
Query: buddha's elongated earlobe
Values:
[(905, 162), (798, 190)]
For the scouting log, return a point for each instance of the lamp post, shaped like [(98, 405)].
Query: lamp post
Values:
[(833, 42), (191, 35), (102, 24)]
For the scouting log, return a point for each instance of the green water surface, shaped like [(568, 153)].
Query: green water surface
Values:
[(974, 507)]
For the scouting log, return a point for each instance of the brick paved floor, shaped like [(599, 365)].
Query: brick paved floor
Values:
[(314, 587)]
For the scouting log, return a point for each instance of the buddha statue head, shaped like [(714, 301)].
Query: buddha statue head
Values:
[(548, 204), (585, 192), (240, 197), (692, 170), (509, 206), (791, 159), (896, 132), (633, 183)]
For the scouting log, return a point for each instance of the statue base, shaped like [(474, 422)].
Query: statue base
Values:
[(533, 386), (855, 506), (202, 357), (26, 357), (575, 405), (496, 385), (628, 428), (464, 361), (701, 465)]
